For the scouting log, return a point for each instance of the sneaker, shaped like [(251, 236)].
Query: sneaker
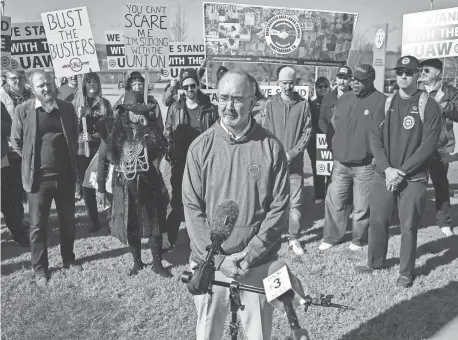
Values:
[(364, 269), (404, 282), (355, 247), (296, 247), (324, 246), (319, 201), (447, 231), (73, 266), (41, 280)]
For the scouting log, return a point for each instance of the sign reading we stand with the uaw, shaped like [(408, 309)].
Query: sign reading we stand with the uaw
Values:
[(432, 34), (146, 36), (6, 42), (70, 42), (29, 47), (183, 55), (116, 58), (324, 158), (270, 90)]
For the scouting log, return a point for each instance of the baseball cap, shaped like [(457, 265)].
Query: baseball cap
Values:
[(407, 62), (363, 72), (436, 63), (344, 71), (188, 73)]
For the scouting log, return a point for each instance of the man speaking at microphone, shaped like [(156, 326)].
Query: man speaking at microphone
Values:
[(236, 159)]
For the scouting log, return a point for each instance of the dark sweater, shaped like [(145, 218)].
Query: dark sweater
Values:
[(353, 121), (401, 140), (66, 93)]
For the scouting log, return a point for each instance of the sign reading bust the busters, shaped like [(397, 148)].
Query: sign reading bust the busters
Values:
[(277, 35)]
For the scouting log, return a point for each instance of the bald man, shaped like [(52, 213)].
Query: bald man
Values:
[(288, 117)]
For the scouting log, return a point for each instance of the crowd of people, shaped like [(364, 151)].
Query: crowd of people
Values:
[(69, 143)]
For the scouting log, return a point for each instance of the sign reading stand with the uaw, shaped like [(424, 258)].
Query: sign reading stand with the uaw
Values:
[(183, 55), (277, 35), (6, 42), (70, 41), (432, 34), (324, 158), (29, 47)]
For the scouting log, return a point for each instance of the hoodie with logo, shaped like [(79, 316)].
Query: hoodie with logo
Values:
[(251, 171), (291, 123)]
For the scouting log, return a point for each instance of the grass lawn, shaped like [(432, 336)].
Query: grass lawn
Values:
[(103, 302)]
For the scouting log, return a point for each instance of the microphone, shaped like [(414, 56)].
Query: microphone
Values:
[(224, 219)]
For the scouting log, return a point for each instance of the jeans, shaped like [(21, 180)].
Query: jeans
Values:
[(62, 190), (411, 200), (438, 171), (348, 182), (296, 184)]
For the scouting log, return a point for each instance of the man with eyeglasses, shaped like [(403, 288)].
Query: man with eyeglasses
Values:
[(329, 102), (405, 133), (186, 119), (67, 92), (238, 160), (13, 94), (353, 162), (287, 116), (447, 97)]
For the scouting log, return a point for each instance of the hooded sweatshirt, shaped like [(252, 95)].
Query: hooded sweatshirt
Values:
[(291, 123), (252, 171)]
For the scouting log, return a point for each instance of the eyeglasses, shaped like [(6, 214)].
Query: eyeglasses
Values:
[(425, 70), (408, 73), (16, 78), (343, 77), (224, 99), (190, 86), (323, 87)]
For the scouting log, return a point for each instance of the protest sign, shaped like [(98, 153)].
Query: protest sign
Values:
[(212, 95), (324, 158), (146, 36), (276, 35), (116, 58), (432, 34), (70, 41), (6, 42), (268, 90), (29, 47), (183, 55)]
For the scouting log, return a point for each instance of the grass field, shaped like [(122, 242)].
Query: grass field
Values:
[(103, 302)]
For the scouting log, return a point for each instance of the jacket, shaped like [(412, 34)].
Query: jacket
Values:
[(402, 140), (449, 109), (6, 129), (178, 121), (292, 125), (10, 104), (315, 106), (353, 126), (251, 171), (24, 136)]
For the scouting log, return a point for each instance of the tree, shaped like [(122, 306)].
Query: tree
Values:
[(360, 52), (265, 72), (179, 28)]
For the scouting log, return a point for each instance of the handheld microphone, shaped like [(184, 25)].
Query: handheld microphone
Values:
[(223, 222)]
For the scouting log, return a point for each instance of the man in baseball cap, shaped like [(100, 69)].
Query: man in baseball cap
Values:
[(405, 133), (447, 98), (353, 161)]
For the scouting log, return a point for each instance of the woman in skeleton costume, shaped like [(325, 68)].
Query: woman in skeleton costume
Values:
[(134, 147)]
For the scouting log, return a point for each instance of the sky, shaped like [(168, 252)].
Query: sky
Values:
[(106, 15)]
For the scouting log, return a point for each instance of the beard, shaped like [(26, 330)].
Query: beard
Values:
[(47, 97)]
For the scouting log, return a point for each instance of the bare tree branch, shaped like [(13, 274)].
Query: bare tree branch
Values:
[(179, 28)]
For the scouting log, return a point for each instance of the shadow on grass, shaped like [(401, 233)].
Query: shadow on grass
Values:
[(449, 244), (179, 254), (418, 318)]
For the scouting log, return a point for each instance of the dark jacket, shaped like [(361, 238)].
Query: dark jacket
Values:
[(24, 136), (402, 141), (6, 129), (326, 112), (178, 121), (353, 126), (292, 125), (449, 114), (315, 106)]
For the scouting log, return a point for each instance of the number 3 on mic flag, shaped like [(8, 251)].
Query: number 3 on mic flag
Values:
[(277, 284)]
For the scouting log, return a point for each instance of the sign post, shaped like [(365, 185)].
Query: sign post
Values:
[(380, 56)]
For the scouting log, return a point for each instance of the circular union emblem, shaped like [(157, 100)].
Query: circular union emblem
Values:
[(283, 34), (320, 168), (112, 63), (405, 61), (408, 122), (366, 112), (379, 38), (165, 73), (254, 170), (76, 64), (5, 61), (14, 64)]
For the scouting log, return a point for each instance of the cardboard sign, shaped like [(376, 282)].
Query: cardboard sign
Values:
[(432, 34), (29, 47), (70, 41), (324, 158), (268, 90), (183, 55), (116, 58), (6, 42), (146, 36), (277, 35), (212, 95), (277, 284)]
